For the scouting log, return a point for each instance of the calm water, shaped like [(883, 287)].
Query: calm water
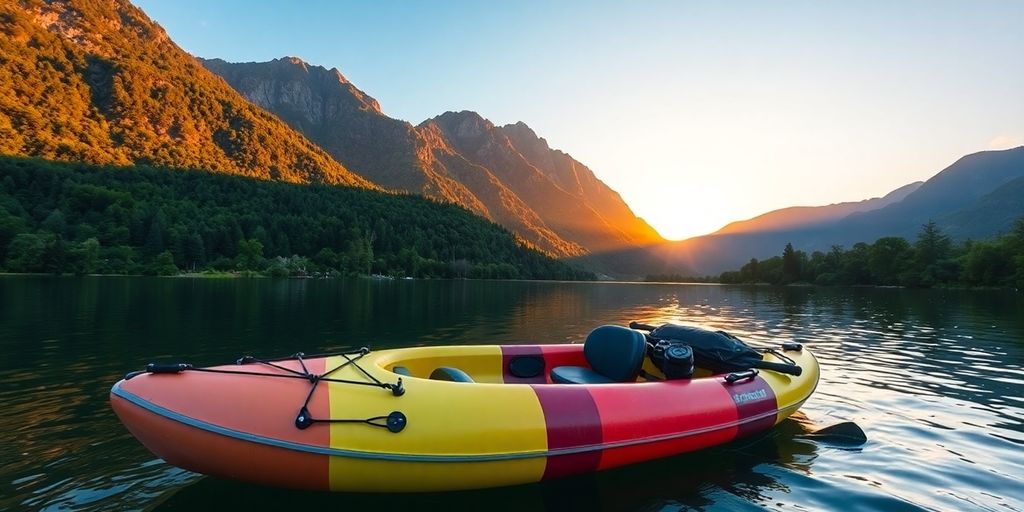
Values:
[(935, 378)]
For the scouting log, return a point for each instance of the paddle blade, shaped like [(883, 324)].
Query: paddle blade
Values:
[(846, 433)]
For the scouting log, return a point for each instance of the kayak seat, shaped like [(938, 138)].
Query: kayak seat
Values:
[(450, 374), (577, 375), (614, 353), (401, 370)]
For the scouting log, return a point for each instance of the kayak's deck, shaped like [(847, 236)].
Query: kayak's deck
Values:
[(496, 364)]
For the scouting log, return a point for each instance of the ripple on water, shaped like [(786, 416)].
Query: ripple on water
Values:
[(935, 378)]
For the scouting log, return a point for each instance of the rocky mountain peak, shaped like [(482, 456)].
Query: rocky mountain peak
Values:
[(534, 148), (304, 67), (295, 61), (315, 93), (520, 132), (464, 124)]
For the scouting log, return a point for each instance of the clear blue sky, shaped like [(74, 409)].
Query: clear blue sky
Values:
[(699, 113)]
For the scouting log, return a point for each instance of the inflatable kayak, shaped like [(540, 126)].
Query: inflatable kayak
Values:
[(448, 417)]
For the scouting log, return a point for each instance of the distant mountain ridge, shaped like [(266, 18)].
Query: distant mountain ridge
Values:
[(958, 186), (978, 196), (796, 217), (97, 81), (993, 213), (507, 174)]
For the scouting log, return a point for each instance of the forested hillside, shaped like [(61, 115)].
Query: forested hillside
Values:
[(97, 81), (80, 218)]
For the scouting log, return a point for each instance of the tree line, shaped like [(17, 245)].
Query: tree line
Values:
[(931, 260), (89, 219)]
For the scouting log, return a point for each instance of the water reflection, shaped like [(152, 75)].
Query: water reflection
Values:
[(691, 480), (934, 377)]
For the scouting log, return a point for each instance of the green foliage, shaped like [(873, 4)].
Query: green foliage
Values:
[(933, 260), (156, 233), (250, 254), (790, 265), (163, 265), (10, 226), (27, 252), (194, 251), (889, 258), (1015, 242), (933, 251), (55, 223), (80, 218), (84, 257), (294, 266)]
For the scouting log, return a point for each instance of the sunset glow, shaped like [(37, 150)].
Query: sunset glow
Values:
[(698, 114)]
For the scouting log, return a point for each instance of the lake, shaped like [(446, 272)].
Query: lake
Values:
[(935, 378)]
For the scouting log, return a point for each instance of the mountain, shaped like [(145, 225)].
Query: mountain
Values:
[(978, 196), (995, 212), (802, 217), (97, 81), (507, 174), (578, 180), (328, 109), (324, 106), (572, 215), (962, 184)]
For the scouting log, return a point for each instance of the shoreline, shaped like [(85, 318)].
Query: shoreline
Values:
[(257, 275)]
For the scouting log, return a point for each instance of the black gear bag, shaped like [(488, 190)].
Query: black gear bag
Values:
[(717, 351)]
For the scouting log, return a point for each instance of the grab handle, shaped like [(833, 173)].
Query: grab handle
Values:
[(735, 377), (167, 368), (789, 369)]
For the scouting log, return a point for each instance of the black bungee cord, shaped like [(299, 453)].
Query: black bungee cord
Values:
[(395, 422)]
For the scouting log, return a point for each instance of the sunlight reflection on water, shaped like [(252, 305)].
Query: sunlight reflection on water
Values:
[(934, 377)]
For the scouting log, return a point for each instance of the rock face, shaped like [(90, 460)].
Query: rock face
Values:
[(97, 81), (578, 180), (569, 210), (506, 174)]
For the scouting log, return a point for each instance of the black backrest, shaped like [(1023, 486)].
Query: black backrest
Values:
[(450, 374), (616, 352)]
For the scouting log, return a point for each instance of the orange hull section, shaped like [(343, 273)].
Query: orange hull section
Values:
[(221, 456)]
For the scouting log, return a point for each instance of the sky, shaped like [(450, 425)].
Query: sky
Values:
[(697, 113)]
